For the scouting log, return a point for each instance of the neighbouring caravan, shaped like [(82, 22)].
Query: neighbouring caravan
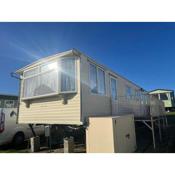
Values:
[(68, 87), (166, 96), (10, 131)]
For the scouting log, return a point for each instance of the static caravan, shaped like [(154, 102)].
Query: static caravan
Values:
[(166, 96), (68, 87)]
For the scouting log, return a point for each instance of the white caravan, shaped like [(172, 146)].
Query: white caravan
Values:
[(10, 131)]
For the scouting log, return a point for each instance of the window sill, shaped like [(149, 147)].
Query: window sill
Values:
[(46, 96), (96, 94)]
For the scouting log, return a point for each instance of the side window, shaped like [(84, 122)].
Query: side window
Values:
[(101, 82), (93, 78), (113, 88), (128, 92), (97, 80), (9, 104), (163, 96)]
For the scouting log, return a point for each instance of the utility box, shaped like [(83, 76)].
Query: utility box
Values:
[(111, 134)]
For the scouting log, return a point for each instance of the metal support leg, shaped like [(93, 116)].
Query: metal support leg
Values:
[(166, 121), (153, 134), (163, 121), (160, 133)]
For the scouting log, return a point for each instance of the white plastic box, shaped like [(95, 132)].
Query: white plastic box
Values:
[(111, 134)]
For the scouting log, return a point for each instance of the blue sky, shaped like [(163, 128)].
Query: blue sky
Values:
[(142, 52)]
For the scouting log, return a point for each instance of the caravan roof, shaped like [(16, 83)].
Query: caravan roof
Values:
[(67, 53)]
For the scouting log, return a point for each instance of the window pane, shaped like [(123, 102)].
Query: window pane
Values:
[(163, 96), (31, 72), (93, 78), (49, 66), (41, 85), (101, 82), (128, 92), (114, 89), (30, 86), (68, 74), (48, 83)]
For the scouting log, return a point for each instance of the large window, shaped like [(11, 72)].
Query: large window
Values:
[(114, 89), (43, 80), (97, 80)]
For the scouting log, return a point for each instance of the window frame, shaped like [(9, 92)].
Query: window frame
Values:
[(97, 80), (59, 78), (30, 76), (166, 95), (114, 78), (58, 60)]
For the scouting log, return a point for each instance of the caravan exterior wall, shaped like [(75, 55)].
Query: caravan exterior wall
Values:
[(50, 109), (55, 90), (117, 99)]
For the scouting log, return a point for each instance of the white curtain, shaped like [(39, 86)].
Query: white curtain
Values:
[(68, 74), (30, 84), (46, 83)]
